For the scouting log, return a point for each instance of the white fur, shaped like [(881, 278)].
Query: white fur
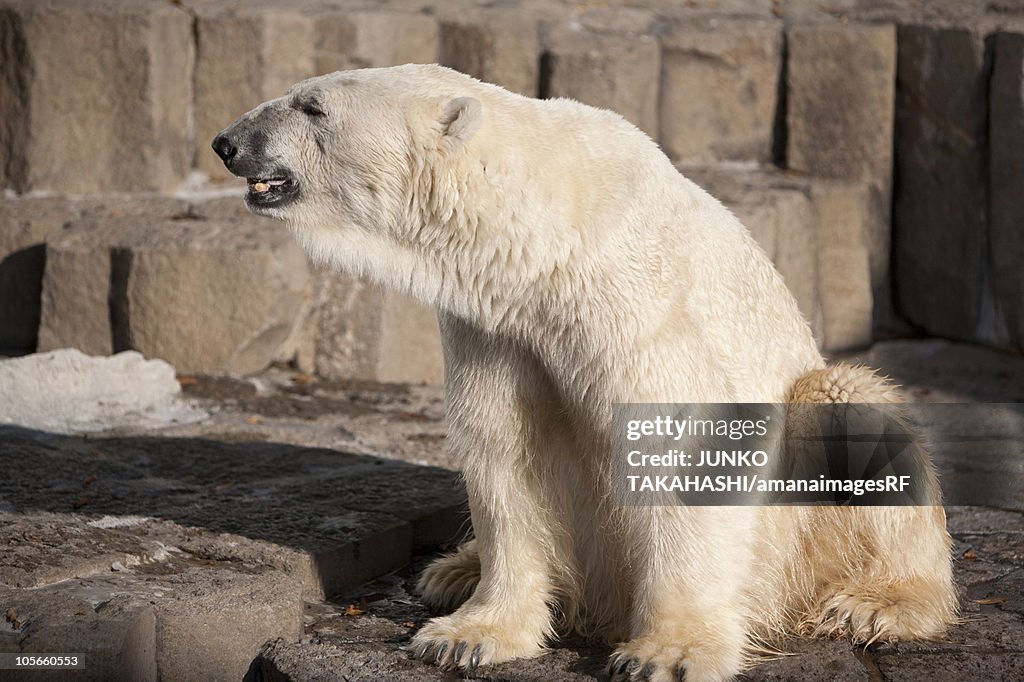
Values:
[(573, 268)]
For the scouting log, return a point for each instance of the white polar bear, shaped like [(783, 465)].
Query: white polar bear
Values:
[(573, 268)]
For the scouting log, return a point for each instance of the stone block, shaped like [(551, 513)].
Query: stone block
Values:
[(115, 633), (368, 333), (177, 618), (25, 223), (840, 96), (367, 39), (610, 71), (246, 55), (940, 199), (840, 99), (75, 297), (69, 126), (76, 293), (497, 46), (1006, 174), (207, 296), (216, 627), (843, 215), (719, 89)]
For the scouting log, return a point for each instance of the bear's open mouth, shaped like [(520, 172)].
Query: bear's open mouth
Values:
[(272, 190)]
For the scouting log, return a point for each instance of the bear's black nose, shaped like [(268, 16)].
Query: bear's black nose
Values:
[(225, 148)]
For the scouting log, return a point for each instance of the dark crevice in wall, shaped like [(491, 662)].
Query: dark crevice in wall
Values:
[(985, 323), (117, 300), (780, 132), (192, 124), (544, 75), (15, 76)]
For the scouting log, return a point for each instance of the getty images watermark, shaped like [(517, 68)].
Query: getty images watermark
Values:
[(766, 454)]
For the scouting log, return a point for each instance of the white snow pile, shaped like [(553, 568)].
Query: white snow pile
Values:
[(66, 391)]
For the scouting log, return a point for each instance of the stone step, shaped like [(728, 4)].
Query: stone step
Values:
[(371, 643)]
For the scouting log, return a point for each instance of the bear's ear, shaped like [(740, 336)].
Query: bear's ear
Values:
[(460, 120)]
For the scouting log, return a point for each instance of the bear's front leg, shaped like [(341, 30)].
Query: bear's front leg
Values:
[(496, 399), (690, 615)]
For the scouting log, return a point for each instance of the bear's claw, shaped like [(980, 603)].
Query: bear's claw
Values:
[(623, 667)]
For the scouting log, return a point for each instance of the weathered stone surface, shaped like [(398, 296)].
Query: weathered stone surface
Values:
[(1006, 170), (64, 391), (814, 232), (938, 371), (840, 114), (939, 205), (203, 295), (75, 309), (75, 302), (843, 217), (24, 226), (214, 297), (967, 402), (69, 129), (181, 618), (616, 72), (361, 39), (368, 333), (840, 94), (719, 89), (498, 46), (115, 633), (327, 519)]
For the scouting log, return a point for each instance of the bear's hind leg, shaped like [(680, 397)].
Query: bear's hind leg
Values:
[(903, 588), (885, 572)]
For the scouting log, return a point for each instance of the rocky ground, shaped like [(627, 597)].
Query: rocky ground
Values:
[(279, 538)]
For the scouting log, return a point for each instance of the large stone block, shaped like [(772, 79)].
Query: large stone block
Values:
[(24, 226), (940, 198), (1006, 180), (497, 46), (115, 633), (843, 215), (75, 301), (617, 72), (70, 124), (840, 101), (719, 89), (366, 39), (207, 296), (840, 94), (365, 332)]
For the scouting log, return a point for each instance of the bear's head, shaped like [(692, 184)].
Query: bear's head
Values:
[(345, 148)]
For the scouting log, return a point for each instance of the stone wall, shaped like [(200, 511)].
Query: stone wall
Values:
[(875, 150)]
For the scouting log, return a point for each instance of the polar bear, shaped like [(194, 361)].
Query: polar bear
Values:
[(573, 268)]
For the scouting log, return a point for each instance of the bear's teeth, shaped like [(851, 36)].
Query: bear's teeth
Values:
[(260, 187), (275, 183)]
